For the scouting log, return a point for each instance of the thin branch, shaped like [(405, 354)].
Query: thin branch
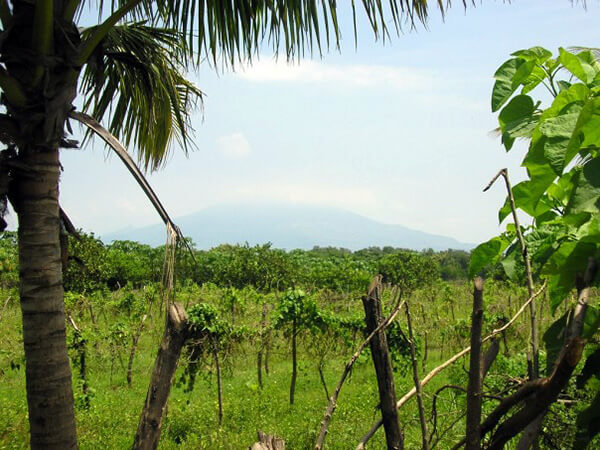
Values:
[(418, 386), (534, 369), (438, 369)]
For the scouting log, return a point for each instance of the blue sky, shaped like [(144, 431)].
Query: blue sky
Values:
[(398, 132)]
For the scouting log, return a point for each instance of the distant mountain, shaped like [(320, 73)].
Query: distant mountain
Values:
[(288, 227)]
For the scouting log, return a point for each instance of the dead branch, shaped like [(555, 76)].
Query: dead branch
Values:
[(449, 362), (474, 385)]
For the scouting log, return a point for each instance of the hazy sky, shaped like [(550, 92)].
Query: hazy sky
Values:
[(396, 132)]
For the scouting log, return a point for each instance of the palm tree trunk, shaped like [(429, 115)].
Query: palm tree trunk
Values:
[(47, 369)]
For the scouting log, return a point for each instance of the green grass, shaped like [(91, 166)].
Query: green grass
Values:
[(191, 421)]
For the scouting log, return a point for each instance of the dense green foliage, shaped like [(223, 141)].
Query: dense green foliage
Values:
[(561, 194), (95, 265)]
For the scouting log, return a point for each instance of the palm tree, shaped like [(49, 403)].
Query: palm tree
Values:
[(130, 70)]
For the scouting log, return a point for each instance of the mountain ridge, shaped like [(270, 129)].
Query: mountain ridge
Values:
[(289, 227)]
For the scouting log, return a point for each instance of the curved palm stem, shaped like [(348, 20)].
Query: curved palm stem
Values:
[(139, 177)]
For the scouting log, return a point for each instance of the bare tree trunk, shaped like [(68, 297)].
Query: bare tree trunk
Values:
[(383, 369), (134, 344), (473, 433), (219, 380), (261, 348), (259, 368), (294, 362), (413, 357), (148, 432), (267, 351)]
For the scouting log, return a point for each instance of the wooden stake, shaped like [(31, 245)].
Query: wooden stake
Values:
[(413, 357)]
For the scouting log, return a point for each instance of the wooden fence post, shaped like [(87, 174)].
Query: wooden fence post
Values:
[(383, 367)]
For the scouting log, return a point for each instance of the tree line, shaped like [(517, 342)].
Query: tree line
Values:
[(94, 265)]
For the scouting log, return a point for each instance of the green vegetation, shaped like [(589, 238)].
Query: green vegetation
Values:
[(330, 325), (245, 303)]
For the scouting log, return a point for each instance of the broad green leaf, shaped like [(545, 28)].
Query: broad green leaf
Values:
[(586, 193), (543, 241), (536, 76), (485, 254), (519, 107), (512, 262), (541, 174), (591, 322), (562, 189), (563, 266), (503, 87), (554, 339), (555, 150), (577, 65), (586, 134), (522, 74), (527, 195), (517, 120), (537, 54), (560, 126)]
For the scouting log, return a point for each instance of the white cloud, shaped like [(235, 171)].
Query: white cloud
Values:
[(234, 146), (352, 75), (308, 192)]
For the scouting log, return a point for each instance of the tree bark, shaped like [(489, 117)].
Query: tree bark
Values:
[(383, 369), (148, 432), (294, 362), (47, 369), (473, 432)]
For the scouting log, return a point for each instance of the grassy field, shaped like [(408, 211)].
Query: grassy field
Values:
[(111, 420)]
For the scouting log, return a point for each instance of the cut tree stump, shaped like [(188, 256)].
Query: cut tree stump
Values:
[(268, 442)]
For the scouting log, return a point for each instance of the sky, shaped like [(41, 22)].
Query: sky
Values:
[(398, 131)]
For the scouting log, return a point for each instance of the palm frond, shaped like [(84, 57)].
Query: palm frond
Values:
[(134, 77), (231, 31)]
